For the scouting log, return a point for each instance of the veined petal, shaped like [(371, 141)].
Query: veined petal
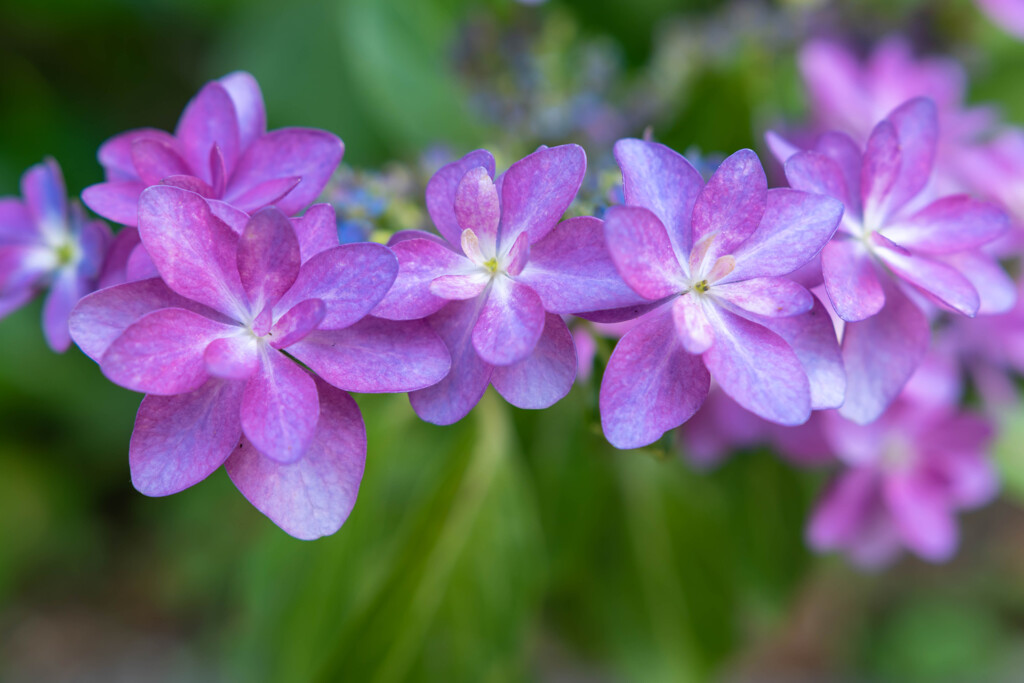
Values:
[(880, 169), (442, 187), (117, 201), (377, 356), (235, 357), (950, 224), (297, 322), (774, 297), (190, 183), (476, 205), (317, 230), (420, 261), (312, 497), (815, 173), (941, 281), (851, 279), (510, 323), (155, 160), (917, 127), (459, 287), (537, 190), (209, 119), (840, 148), (180, 440), (279, 408), (642, 252), (651, 384), (692, 325), (248, 100), (731, 205), (267, 193), (115, 155), (545, 376), (268, 258)]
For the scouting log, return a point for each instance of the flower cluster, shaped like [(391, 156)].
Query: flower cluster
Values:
[(798, 314)]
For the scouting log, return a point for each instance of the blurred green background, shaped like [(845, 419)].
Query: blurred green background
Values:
[(514, 546)]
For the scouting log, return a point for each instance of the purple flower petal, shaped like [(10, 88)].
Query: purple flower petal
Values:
[(880, 170), (190, 183), (642, 252), (299, 321), (313, 496), (518, 254), (795, 227), (996, 289), (279, 408), (350, 279), (65, 292), (476, 204), (840, 148), (774, 297), (317, 230), (843, 510), (572, 271), (664, 182), (460, 287), (209, 119), (922, 515), (180, 440), (420, 261), (115, 155), (917, 127), (545, 376), (268, 258), (692, 324), (155, 160), (193, 250), (266, 193), (537, 190), (234, 218), (880, 354), (42, 187), (730, 206), (162, 352), (117, 201), (377, 356), (651, 384), (248, 100), (851, 279), (510, 323), (115, 265), (16, 224), (813, 172), (942, 282), (235, 357), (758, 369), (442, 188), (453, 397), (950, 224), (305, 153)]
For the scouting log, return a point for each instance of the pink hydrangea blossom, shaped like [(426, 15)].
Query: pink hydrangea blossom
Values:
[(891, 251), (220, 149), (711, 260), (47, 243), (212, 342), (497, 281)]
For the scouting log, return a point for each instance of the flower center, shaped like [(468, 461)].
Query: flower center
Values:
[(492, 265), (701, 287)]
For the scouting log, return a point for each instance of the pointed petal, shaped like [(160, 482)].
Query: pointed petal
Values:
[(781, 148), (510, 323), (180, 440), (773, 297), (305, 153), (851, 279), (941, 281), (692, 325), (476, 205), (268, 258), (442, 188), (248, 100), (731, 205), (235, 357), (377, 356), (537, 190), (420, 261), (642, 252), (651, 384), (279, 408), (350, 279), (453, 397), (209, 119), (545, 376), (950, 224), (194, 251), (317, 230), (162, 352), (758, 369), (299, 321), (664, 182), (117, 201), (313, 497)]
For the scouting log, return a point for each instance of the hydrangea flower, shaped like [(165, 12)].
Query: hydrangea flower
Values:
[(890, 251), (220, 149), (907, 474), (500, 276), (212, 345), (711, 260), (47, 243)]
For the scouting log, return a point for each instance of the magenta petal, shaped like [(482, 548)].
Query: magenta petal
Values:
[(279, 407), (193, 250), (844, 510), (299, 321), (453, 397), (537, 190), (880, 354), (795, 227), (840, 148), (880, 170), (442, 188), (774, 297), (950, 224), (115, 155), (317, 230), (377, 356), (248, 100), (190, 183), (758, 369), (651, 384), (180, 440), (664, 182), (572, 270), (115, 265), (476, 204), (235, 357), (65, 292), (510, 323), (16, 223), (266, 193), (642, 252), (545, 376), (941, 281), (268, 258), (42, 187), (692, 324), (923, 516), (731, 205), (813, 172), (209, 119), (117, 201), (313, 496), (996, 290), (460, 287), (155, 160), (851, 279), (518, 254), (234, 218), (305, 153), (162, 352), (917, 127), (140, 266), (420, 261), (350, 279)]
